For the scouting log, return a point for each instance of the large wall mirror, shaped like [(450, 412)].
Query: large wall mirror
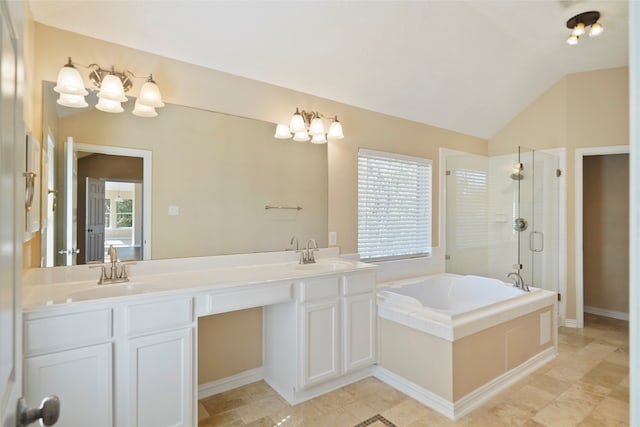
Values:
[(186, 183)]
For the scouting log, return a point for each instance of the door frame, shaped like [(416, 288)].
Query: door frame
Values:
[(580, 154), (147, 174)]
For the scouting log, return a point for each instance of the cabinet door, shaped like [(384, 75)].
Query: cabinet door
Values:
[(82, 380), (161, 379), (359, 331), (319, 342)]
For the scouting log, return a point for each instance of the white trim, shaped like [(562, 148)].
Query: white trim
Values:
[(229, 383), (634, 209), (147, 165), (571, 323), (578, 188), (620, 315), (461, 407)]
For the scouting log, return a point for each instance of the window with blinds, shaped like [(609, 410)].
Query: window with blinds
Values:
[(471, 208), (394, 206)]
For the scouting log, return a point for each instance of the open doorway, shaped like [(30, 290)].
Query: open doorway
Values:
[(602, 232)]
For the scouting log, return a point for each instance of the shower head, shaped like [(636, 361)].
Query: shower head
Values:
[(516, 176)]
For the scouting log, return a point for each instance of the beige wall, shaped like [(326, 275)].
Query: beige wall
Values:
[(581, 110), (606, 232), (229, 343)]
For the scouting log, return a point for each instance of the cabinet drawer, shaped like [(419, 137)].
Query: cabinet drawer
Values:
[(159, 315), (320, 288), (358, 284), (67, 331)]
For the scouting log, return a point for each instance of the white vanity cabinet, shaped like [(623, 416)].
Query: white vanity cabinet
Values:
[(160, 362), (128, 363), (70, 354), (327, 334)]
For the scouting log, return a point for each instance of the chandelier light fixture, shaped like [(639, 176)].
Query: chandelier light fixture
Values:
[(112, 86), (580, 23), (305, 126)]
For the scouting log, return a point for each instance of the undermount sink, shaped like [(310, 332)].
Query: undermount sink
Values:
[(324, 266), (112, 290)]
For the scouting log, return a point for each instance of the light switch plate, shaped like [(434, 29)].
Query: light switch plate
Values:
[(333, 238), (174, 210)]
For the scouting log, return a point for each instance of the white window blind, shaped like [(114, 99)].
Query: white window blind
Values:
[(471, 208), (394, 205)]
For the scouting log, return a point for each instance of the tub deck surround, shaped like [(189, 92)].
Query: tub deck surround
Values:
[(463, 350), (456, 306), (49, 287)]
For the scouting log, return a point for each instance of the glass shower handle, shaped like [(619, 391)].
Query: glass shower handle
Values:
[(532, 241)]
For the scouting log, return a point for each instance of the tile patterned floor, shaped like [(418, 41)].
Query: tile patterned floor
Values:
[(586, 385)]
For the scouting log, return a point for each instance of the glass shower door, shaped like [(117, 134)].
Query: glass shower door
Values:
[(536, 217)]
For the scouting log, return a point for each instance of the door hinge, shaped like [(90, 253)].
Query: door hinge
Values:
[(559, 297), (447, 257), (558, 173), (447, 173)]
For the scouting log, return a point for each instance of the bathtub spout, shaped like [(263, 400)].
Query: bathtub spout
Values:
[(518, 281)]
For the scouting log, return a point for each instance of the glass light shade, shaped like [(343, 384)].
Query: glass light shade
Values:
[(595, 30), (109, 106), (301, 136), (316, 127), (335, 130), (578, 30), (318, 139), (111, 89), (142, 110), (70, 82), (297, 123), (572, 40), (282, 132), (73, 101), (150, 95)]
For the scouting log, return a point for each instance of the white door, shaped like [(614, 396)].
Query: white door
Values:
[(359, 331), (94, 224), (10, 229), (70, 231)]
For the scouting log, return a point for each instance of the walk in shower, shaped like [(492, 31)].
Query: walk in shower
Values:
[(502, 215)]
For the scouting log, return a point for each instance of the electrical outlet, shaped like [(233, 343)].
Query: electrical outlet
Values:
[(333, 238), (174, 210)]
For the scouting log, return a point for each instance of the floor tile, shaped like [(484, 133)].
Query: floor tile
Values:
[(586, 385)]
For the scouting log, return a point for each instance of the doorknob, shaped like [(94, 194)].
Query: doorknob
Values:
[(48, 412)]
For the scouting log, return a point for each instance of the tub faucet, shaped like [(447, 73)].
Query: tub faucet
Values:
[(518, 281)]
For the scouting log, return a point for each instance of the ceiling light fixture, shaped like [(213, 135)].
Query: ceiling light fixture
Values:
[(579, 23), (305, 126), (112, 86)]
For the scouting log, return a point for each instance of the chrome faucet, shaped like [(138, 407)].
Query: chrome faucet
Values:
[(114, 275), (307, 256), (518, 281)]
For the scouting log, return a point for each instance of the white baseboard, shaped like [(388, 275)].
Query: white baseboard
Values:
[(455, 410), (421, 394), (621, 315), (229, 383), (571, 323)]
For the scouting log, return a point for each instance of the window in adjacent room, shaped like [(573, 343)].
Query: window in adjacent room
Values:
[(394, 206)]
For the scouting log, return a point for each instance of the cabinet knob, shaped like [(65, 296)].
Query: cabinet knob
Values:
[(48, 412)]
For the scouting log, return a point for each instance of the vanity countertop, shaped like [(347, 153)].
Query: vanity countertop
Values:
[(75, 285)]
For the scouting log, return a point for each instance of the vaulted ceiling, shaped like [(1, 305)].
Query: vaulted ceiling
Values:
[(468, 66)]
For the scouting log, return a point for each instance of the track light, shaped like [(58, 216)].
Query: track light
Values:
[(579, 23)]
